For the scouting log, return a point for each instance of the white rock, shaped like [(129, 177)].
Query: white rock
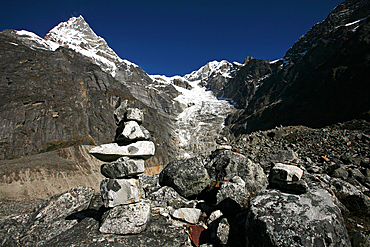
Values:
[(190, 215), (112, 151), (120, 112), (227, 147), (284, 172), (214, 216), (126, 219), (132, 131), (134, 114), (120, 191)]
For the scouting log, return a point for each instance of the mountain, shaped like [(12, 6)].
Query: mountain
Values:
[(320, 81), (58, 95)]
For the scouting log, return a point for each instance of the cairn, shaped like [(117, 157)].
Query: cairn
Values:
[(121, 189)]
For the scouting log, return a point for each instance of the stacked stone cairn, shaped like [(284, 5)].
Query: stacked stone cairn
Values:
[(121, 189)]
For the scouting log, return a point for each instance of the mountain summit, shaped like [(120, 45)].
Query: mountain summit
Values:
[(77, 35)]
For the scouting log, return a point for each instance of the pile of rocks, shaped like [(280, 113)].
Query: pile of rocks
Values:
[(121, 189)]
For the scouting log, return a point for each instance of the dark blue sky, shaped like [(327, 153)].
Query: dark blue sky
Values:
[(176, 37)]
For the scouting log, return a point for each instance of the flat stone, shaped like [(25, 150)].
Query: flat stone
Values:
[(117, 192), (126, 219), (123, 167), (190, 215), (132, 132), (112, 151)]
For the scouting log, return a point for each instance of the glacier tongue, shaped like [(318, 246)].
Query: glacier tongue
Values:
[(198, 126)]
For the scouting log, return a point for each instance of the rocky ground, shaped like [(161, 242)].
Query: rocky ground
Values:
[(232, 197)]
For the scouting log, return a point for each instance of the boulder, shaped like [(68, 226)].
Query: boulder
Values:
[(130, 132), (123, 167), (236, 192), (190, 215), (188, 177), (112, 151), (287, 178), (280, 219), (284, 172), (117, 192), (74, 200), (126, 219), (53, 218), (225, 165), (167, 196)]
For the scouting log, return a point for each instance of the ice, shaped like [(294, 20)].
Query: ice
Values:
[(355, 22), (204, 113)]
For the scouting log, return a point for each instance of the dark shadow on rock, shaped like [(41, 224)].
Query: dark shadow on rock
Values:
[(229, 207), (88, 213)]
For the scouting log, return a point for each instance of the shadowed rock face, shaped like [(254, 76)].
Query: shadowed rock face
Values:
[(58, 99), (321, 80)]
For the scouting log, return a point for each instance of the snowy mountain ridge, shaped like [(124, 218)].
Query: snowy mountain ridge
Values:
[(77, 35)]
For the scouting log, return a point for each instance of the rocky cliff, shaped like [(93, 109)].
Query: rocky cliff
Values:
[(321, 80), (57, 99)]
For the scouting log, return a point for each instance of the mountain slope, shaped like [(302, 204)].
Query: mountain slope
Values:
[(322, 79), (61, 91)]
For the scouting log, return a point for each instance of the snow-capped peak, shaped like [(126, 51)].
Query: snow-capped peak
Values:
[(77, 35), (210, 70)]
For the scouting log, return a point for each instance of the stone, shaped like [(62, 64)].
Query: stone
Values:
[(284, 172), (340, 173), (234, 191), (190, 215), (225, 165), (54, 217), (119, 113), (214, 216), (117, 192), (123, 167), (167, 196), (287, 178), (112, 151), (74, 200), (194, 233), (188, 177), (223, 231), (126, 219), (280, 219), (149, 184), (134, 114), (130, 132)]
